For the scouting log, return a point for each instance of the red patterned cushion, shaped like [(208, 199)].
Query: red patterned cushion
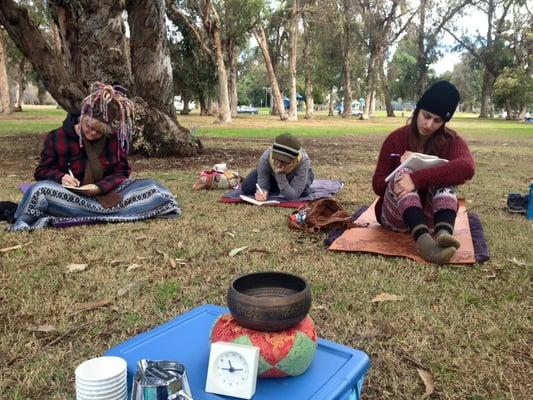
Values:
[(282, 353)]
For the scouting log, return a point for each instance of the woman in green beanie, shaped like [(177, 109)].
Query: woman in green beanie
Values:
[(283, 169)]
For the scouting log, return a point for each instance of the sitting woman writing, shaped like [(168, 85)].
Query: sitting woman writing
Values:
[(83, 170), (283, 169), (416, 201)]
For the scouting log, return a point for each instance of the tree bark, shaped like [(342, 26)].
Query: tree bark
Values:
[(330, 107), (309, 101), (486, 94), (421, 62), (185, 100), (41, 93), (293, 43), (232, 82), (370, 85), (260, 36), (6, 106), (346, 65), (224, 113), (95, 49), (204, 111)]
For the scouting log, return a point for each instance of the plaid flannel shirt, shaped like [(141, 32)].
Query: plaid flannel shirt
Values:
[(62, 151)]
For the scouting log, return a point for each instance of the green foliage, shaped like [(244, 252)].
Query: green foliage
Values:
[(514, 87), (467, 76), (402, 72)]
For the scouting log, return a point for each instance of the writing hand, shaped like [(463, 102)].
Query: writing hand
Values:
[(261, 196), (92, 189), (69, 180), (405, 156), (404, 185)]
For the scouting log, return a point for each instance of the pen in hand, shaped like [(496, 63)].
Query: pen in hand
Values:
[(259, 188), (72, 175), (395, 155)]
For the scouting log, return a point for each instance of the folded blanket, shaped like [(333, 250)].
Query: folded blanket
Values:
[(321, 188)]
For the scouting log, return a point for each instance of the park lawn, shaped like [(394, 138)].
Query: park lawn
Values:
[(469, 326)]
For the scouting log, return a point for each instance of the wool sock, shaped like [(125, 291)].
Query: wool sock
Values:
[(444, 220), (428, 248)]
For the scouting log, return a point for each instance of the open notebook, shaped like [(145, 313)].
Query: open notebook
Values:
[(416, 162)]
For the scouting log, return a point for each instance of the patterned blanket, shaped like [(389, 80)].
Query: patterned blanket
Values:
[(48, 203)]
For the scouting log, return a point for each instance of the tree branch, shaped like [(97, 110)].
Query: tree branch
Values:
[(178, 18)]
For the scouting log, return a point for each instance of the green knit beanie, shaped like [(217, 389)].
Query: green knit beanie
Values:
[(285, 148)]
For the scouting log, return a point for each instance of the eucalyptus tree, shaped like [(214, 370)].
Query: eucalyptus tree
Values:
[(433, 17), (6, 104), (492, 49), (94, 47), (382, 22)]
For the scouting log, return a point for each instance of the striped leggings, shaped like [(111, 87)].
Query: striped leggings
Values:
[(435, 199)]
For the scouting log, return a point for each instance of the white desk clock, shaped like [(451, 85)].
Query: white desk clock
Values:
[(232, 369)]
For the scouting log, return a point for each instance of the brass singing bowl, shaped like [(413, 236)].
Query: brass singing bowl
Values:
[(269, 301)]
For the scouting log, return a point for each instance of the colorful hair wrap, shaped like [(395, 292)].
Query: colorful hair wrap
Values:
[(109, 104)]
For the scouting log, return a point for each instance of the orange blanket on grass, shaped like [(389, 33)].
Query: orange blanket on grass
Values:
[(376, 239)]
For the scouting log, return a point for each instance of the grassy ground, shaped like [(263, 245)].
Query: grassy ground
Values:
[(469, 326)]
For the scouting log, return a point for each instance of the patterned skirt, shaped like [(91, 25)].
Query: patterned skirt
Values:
[(47, 203)]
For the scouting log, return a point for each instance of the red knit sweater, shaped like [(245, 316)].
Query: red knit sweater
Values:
[(457, 171)]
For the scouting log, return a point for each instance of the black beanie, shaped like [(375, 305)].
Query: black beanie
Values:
[(285, 148), (441, 99)]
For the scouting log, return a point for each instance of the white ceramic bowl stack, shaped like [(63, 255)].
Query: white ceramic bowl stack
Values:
[(102, 378)]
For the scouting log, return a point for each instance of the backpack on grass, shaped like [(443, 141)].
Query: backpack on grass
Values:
[(320, 215)]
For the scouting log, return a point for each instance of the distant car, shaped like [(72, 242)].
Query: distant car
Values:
[(247, 110), (356, 112)]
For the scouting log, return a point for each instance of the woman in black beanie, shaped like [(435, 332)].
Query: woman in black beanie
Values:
[(425, 200)]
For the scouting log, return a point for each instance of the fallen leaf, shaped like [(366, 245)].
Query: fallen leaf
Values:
[(230, 234), (491, 276), (180, 262), (143, 258), (429, 383), (517, 262), (180, 244), (18, 246), (172, 262), (142, 237), (116, 262), (132, 267), (93, 305), (256, 230), (6, 249), (319, 307), (237, 250), (386, 297), (46, 328), (76, 267)]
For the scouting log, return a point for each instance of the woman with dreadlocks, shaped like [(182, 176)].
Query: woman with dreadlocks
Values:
[(83, 172)]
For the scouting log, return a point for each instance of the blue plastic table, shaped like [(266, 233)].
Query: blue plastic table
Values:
[(336, 372)]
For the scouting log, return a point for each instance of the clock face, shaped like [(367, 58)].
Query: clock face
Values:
[(231, 369)]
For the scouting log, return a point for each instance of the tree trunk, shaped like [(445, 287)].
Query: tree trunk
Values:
[(509, 110), (21, 84), (6, 107), (309, 101), (41, 93), (204, 111), (346, 66), (89, 57), (330, 107), (260, 36), (421, 63), (293, 43), (486, 94), (386, 93), (370, 85), (232, 82), (185, 110), (224, 112)]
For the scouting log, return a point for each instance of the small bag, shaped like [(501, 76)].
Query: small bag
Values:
[(212, 179), (321, 214)]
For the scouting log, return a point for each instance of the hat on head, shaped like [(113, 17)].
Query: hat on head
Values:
[(285, 148), (441, 99)]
